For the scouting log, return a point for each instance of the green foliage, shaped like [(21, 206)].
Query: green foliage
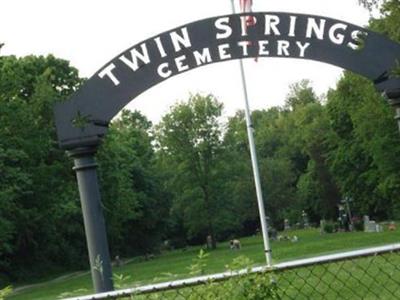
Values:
[(71, 294), (366, 146), (199, 263), (358, 224), (246, 286), (238, 185), (292, 147), (134, 202), (330, 227), (388, 24), (190, 176), (254, 287), (4, 292), (189, 143), (311, 243), (37, 186), (371, 4), (120, 280), (239, 263), (300, 94)]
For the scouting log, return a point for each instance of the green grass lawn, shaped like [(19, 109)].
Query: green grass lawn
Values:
[(175, 263)]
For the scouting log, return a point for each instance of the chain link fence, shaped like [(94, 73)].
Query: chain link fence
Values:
[(364, 274)]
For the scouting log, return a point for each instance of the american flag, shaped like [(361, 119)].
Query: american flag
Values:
[(246, 7)]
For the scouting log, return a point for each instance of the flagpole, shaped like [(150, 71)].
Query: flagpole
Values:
[(253, 154)]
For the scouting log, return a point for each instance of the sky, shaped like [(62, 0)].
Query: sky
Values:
[(89, 33)]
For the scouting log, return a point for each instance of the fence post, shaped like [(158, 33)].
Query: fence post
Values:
[(100, 264)]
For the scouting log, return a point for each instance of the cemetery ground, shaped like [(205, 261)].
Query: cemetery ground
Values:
[(171, 265)]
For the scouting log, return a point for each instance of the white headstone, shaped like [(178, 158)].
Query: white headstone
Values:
[(371, 226)]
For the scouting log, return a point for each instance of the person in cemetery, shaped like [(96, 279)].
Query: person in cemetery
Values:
[(234, 244)]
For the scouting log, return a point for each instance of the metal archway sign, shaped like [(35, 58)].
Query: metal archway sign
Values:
[(83, 120), (214, 40)]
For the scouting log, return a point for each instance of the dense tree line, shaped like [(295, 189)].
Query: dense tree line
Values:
[(189, 176)]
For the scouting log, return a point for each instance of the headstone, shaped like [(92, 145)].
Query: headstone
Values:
[(305, 219), (370, 226), (273, 234), (343, 219), (209, 242), (322, 224), (118, 261), (286, 224), (366, 221)]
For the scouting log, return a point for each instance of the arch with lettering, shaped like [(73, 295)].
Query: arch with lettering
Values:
[(83, 120)]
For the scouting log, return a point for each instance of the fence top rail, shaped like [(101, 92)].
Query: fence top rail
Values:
[(171, 285), (337, 257)]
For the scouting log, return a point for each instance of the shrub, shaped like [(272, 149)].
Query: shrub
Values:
[(358, 224), (330, 227), (5, 292), (244, 287)]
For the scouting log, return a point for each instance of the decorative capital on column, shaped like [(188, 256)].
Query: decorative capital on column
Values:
[(82, 152), (393, 96), (83, 158)]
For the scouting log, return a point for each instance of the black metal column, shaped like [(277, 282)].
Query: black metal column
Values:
[(100, 265)]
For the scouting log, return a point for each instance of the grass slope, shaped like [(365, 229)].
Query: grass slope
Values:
[(175, 263)]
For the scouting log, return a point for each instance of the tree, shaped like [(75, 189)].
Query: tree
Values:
[(365, 147), (239, 184), (316, 187), (277, 172), (135, 205), (277, 162), (189, 138), (389, 23), (300, 94), (37, 187), (371, 4)]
